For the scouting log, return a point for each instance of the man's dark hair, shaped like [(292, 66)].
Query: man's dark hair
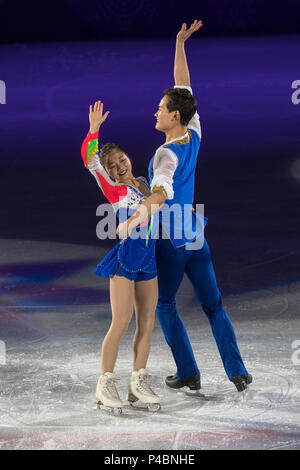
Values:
[(105, 149), (181, 99)]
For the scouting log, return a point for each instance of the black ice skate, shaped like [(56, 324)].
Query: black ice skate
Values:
[(241, 381), (193, 382)]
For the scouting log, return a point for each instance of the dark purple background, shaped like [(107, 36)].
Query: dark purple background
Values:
[(35, 20), (247, 171)]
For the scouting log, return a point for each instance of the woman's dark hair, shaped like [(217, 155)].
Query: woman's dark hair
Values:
[(105, 149), (180, 99)]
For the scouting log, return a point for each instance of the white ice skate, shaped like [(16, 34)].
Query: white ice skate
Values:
[(106, 393), (139, 389)]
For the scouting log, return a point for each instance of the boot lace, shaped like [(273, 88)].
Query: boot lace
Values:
[(110, 387), (142, 384)]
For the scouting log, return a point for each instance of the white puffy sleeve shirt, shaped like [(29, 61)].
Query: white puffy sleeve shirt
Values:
[(166, 161)]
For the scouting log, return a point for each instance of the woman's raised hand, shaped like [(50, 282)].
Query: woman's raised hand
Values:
[(184, 33), (96, 116)]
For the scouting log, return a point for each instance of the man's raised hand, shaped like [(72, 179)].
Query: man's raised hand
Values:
[(96, 116), (184, 33)]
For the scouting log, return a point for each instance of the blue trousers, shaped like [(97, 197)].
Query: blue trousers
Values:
[(172, 263)]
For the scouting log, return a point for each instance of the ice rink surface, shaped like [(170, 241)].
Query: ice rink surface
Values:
[(54, 314)]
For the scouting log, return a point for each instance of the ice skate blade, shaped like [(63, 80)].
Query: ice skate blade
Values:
[(134, 402), (194, 393), (186, 391), (138, 405), (154, 407), (117, 411), (243, 393)]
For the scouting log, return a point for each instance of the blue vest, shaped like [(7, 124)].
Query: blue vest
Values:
[(180, 224)]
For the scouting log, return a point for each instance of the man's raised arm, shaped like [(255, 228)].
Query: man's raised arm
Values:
[(181, 70)]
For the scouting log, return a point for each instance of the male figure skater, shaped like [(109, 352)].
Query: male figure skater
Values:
[(172, 174)]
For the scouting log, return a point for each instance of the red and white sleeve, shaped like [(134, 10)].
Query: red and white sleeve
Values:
[(114, 192)]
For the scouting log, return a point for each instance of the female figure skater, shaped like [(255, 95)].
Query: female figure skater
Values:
[(130, 267)]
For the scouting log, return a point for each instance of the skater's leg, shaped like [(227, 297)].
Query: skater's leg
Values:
[(201, 273), (170, 269), (145, 301), (121, 300)]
